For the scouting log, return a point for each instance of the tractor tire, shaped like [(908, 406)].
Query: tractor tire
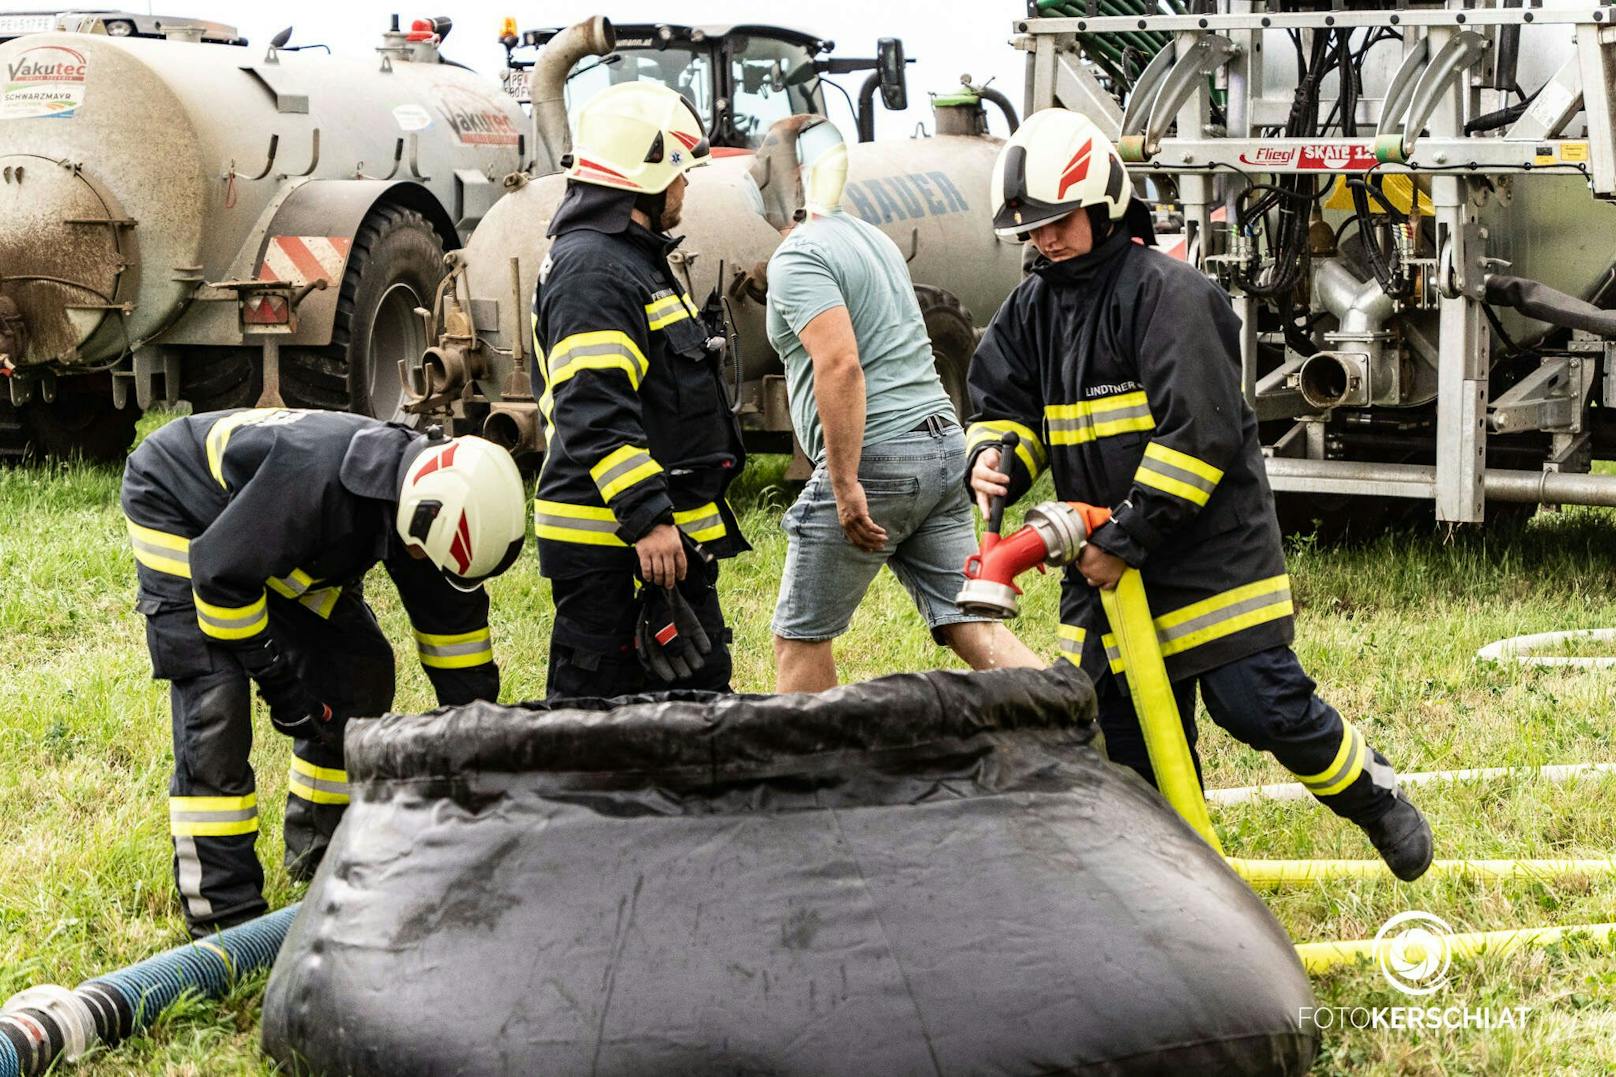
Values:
[(394, 266), (953, 342), (84, 426), (214, 379)]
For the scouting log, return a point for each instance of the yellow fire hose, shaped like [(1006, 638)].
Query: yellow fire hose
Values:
[(1128, 611), (1323, 956)]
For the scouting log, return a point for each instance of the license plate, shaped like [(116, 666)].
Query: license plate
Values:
[(12, 25)]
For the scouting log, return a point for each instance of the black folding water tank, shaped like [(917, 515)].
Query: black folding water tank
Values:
[(927, 873)]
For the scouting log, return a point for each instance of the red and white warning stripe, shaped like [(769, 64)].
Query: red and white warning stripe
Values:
[(305, 259)]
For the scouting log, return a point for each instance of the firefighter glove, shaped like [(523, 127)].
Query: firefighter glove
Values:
[(668, 637)]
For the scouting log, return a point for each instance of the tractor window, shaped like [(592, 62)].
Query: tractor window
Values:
[(688, 71), (764, 91)]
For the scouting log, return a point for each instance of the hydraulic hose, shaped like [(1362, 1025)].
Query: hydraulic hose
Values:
[(1537, 300), (1128, 611), (44, 1024), (988, 93)]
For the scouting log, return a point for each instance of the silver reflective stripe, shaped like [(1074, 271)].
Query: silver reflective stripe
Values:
[(1083, 422), (573, 523), (246, 621), (293, 585), (1072, 646), (1188, 478), (579, 351), (1195, 624), (1351, 760), (319, 784), (167, 553), (233, 815), (189, 877), (451, 650), (712, 519), (622, 468), (1382, 774), (1113, 654)]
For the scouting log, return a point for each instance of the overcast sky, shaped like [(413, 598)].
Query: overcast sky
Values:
[(945, 38)]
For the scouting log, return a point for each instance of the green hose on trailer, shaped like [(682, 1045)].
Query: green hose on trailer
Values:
[(47, 1023)]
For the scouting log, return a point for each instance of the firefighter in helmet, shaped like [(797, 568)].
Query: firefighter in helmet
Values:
[(641, 442), (1118, 368), (252, 532)]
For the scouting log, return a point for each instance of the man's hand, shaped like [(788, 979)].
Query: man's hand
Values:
[(853, 511), (662, 556), (987, 480), (1101, 569)]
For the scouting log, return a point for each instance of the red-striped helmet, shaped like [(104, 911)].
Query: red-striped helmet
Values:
[(1056, 162), (637, 136), (463, 505)]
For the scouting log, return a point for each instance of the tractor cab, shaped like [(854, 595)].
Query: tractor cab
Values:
[(741, 79)]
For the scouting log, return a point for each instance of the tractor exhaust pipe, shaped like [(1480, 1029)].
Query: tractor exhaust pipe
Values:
[(547, 85)]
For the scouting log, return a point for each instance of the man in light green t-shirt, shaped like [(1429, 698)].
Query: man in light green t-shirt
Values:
[(870, 411)]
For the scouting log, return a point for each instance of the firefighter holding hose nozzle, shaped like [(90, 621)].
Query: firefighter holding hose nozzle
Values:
[(1118, 369)]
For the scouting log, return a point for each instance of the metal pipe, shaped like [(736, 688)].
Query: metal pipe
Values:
[(1419, 480), (552, 137)]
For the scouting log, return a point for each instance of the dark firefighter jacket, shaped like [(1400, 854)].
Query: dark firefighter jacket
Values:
[(1119, 370), (227, 508), (638, 426)]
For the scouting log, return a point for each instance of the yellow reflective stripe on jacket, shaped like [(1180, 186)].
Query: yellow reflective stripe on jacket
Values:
[(218, 438), (1177, 473), (212, 817), (1349, 762), (622, 468), (591, 525), (1030, 450), (667, 310), (594, 525), (1076, 424), (1071, 639), (1214, 618), (232, 622), (159, 550), (317, 785), (608, 349), (456, 650), (299, 586)]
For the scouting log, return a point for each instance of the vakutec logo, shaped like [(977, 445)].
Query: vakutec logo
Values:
[(1413, 951)]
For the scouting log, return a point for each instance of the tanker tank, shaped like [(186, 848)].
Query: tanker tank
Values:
[(167, 208), (928, 194)]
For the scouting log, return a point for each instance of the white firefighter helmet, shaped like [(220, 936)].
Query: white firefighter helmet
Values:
[(1056, 162), (637, 136), (463, 504)]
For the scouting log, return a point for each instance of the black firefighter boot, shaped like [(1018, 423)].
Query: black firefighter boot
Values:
[(1403, 838)]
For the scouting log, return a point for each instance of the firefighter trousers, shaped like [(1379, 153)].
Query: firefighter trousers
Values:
[(213, 801), (592, 642), (1267, 701)]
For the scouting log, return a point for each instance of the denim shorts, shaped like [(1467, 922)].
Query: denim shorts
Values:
[(915, 488)]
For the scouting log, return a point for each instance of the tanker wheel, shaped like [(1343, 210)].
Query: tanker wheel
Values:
[(394, 266), (82, 425), (953, 342), (214, 379)]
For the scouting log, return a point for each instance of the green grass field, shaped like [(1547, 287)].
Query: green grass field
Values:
[(1388, 629)]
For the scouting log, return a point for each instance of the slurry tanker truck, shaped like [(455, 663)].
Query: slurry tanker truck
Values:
[(928, 193), (227, 224)]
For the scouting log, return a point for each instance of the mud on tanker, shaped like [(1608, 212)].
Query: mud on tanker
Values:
[(175, 216)]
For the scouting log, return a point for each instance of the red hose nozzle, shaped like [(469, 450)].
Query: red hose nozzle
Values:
[(1053, 534)]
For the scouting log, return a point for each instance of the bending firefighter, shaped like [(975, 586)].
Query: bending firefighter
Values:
[(1118, 368), (252, 532), (641, 440)]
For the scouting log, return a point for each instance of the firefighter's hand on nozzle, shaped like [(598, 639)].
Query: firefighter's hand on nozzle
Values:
[(662, 556), (853, 512), (987, 481), (1101, 569)]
